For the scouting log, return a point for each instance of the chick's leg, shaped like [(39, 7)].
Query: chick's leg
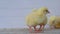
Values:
[(41, 28), (30, 29), (36, 29)]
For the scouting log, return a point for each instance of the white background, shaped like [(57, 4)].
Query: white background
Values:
[(13, 12)]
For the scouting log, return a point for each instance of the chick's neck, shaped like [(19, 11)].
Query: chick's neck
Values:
[(41, 15)]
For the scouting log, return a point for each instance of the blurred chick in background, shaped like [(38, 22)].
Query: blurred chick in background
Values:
[(54, 21), (37, 17)]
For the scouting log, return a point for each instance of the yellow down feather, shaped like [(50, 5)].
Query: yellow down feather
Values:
[(54, 21), (38, 16)]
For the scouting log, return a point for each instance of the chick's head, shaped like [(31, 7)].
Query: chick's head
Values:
[(43, 10)]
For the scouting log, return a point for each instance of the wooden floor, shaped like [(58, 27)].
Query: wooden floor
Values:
[(25, 31)]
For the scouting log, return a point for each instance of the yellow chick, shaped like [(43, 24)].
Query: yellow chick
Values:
[(37, 17), (54, 21)]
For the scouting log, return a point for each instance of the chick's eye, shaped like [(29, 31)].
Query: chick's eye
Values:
[(46, 10)]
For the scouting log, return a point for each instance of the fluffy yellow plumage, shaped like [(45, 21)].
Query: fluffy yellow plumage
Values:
[(55, 21), (37, 17), (52, 18)]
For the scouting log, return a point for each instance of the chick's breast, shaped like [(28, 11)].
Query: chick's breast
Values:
[(31, 21), (41, 20)]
